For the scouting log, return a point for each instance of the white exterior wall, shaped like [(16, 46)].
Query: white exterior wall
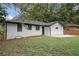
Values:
[(58, 31), (47, 31), (12, 31)]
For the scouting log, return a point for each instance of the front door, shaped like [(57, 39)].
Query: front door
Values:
[(43, 30)]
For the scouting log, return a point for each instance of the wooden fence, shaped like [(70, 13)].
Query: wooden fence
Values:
[(71, 31)]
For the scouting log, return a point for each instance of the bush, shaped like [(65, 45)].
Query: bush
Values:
[(1, 30)]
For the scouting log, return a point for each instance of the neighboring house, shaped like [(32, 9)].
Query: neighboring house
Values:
[(19, 28), (71, 29)]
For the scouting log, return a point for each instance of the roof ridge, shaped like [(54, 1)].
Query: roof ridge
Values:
[(32, 22)]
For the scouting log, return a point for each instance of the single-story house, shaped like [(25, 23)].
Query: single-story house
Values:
[(24, 28)]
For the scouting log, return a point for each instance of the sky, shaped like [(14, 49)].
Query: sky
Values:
[(12, 12)]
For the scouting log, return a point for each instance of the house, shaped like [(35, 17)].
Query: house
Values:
[(24, 28), (71, 29)]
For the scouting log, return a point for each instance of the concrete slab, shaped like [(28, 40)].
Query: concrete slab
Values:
[(64, 36)]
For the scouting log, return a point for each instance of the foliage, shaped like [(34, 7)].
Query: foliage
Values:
[(2, 18), (3, 11), (1, 29), (66, 13), (38, 12), (47, 12)]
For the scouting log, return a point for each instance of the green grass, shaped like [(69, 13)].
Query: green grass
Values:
[(39, 46)]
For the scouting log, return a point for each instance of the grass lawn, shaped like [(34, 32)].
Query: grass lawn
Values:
[(44, 46)]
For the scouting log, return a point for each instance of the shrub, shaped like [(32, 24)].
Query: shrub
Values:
[(1, 30)]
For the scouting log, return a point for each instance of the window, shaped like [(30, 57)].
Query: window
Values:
[(29, 27), (56, 27), (19, 27), (37, 27)]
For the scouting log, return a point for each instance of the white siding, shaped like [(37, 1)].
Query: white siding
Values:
[(47, 31), (32, 32), (12, 31), (55, 31)]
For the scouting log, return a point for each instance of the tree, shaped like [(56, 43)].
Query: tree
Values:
[(64, 13), (76, 14), (37, 12), (3, 11), (3, 14)]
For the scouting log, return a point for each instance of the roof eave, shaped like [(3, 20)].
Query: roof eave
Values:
[(24, 23)]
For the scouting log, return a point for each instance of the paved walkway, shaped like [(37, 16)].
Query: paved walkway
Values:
[(65, 36)]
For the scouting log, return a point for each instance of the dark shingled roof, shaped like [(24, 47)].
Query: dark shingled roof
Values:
[(71, 25), (30, 22)]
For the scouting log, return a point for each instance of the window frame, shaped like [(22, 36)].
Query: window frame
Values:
[(29, 27), (37, 27), (19, 27)]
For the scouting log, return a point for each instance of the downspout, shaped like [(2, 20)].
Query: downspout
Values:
[(50, 30), (6, 32)]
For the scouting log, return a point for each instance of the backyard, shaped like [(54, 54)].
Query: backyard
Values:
[(41, 46)]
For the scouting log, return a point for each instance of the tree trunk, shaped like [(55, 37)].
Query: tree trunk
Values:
[(5, 34)]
